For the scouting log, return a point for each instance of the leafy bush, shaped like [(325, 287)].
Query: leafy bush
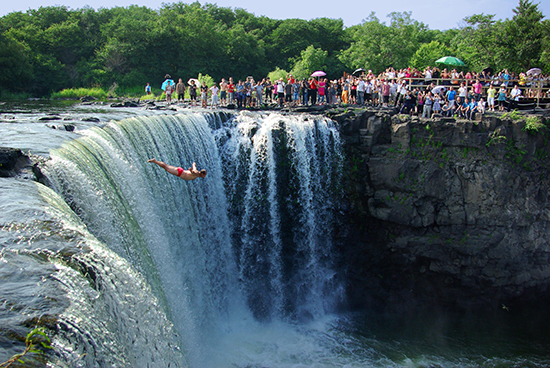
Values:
[(533, 125), (512, 115), (206, 78), (277, 74)]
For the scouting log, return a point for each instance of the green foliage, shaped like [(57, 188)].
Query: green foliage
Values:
[(427, 53), (311, 59), (134, 91), (475, 43), (494, 139), (277, 74), (377, 46), (14, 58), (512, 115), (523, 35), (207, 79), (533, 125), (148, 97), (36, 342), (73, 93)]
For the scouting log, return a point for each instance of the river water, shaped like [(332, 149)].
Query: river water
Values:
[(128, 266)]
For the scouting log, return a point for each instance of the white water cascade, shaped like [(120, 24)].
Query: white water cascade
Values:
[(231, 258)]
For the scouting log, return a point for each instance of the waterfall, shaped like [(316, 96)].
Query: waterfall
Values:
[(250, 242), (280, 174)]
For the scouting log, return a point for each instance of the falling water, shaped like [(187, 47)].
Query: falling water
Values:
[(281, 174), (253, 237)]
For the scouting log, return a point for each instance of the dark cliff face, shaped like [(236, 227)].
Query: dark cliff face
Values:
[(446, 213)]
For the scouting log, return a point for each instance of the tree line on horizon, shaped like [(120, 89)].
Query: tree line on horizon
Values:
[(52, 48)]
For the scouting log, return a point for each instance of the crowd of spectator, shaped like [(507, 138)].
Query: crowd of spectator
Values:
[(424, 93)]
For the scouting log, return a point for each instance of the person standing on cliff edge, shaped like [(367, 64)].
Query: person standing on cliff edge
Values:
[(190, 174)]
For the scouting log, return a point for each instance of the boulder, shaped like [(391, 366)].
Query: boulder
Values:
[(10, 161)]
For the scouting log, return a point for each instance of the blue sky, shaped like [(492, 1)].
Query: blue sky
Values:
[(437, 14)]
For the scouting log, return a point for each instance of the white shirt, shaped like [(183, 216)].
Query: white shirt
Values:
[(516, 92)]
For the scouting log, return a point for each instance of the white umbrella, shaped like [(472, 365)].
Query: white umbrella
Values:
[(534, 71), (438, 89), (197, 82)]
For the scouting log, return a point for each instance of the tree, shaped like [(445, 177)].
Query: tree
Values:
[(476, 43), (376, 46), (545, 55), (522, 38), (311, 59), (366, 49), (14, 59), (427, 54), (288, 40)]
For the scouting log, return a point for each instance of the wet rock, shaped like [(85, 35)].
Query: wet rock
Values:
[(50, 118), (126, 103), (91, 119), (11, 160), (87, 99)]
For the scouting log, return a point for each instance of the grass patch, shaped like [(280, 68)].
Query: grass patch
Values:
[(76, 93), (148, 97), (135, 91)]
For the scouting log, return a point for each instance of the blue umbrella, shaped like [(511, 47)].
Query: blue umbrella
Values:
[(165, 83)]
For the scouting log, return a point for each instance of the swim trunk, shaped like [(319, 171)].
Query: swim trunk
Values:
[(180, 171)]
